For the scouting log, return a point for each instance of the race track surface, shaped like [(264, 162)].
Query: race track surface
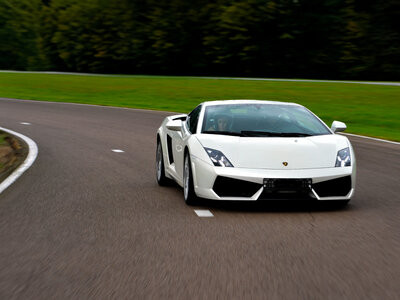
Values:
[(85, 222)]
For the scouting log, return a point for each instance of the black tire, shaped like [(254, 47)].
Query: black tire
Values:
[(336, 204), (160, 167), (342, 203), (188, 188)]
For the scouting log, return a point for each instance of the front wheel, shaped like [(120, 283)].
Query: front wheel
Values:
[(160, 170), (342, 203), (188, 187), (336, 204)]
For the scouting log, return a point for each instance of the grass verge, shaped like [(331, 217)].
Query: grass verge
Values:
[(372, 110), (2, 139)]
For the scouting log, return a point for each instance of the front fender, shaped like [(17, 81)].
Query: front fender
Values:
[(197, 155)]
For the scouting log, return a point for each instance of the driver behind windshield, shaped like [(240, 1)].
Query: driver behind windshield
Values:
[(221, 124)]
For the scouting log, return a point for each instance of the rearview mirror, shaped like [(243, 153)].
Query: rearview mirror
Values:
[(338, 126), (174, 125)]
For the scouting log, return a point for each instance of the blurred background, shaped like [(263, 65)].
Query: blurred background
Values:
[(325, 39)]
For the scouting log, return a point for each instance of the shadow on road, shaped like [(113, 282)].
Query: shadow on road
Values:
[(275, 206)]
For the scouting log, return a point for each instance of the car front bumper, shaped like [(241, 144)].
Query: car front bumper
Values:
[(225, 183)]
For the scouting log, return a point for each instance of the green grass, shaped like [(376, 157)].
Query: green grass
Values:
[(2, 143), (371, 110), (3, 139)]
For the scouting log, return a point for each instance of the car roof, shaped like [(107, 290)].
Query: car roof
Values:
[(246, 101)]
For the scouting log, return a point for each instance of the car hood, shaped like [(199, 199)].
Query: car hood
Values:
[(281, 153)]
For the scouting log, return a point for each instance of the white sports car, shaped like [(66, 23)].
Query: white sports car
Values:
[(255, 150)]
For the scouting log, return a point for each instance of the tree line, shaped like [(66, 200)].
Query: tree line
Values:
[(332, 39)]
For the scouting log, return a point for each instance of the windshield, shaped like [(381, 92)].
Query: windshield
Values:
[(261, 120)]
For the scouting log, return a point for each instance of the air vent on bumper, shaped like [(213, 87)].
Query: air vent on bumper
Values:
[(230, 187), (333, 188)]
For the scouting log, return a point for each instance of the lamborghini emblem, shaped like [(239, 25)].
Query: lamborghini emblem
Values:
[(285, 163)]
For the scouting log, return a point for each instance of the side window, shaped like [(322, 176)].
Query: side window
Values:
[(193, 119)]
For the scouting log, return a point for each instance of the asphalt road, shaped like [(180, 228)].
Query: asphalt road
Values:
[(88, 223)]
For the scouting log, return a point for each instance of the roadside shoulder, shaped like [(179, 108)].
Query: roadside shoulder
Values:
[(13, 152), (17, 154)]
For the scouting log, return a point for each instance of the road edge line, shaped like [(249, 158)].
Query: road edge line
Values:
[(30, 159), (387, 83), (371, 138)]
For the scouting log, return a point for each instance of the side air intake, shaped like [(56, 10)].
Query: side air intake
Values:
[(333, 188), (230, 187)]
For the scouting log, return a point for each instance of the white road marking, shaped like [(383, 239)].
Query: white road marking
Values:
[(30, 159), (117, 150), (203, 213), (25, 123), (371, 138), (206, 77), (303, 80)]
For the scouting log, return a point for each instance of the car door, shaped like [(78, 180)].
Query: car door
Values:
[(181, 137)]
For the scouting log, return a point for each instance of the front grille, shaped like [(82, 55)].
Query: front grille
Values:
[(333, 188), (230, 187), (286, 189), (292, 185)]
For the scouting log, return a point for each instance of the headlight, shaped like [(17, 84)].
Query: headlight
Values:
[(343, 158), (218, 158)]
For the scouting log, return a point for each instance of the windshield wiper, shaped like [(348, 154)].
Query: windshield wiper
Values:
[(249, 133), (223, 132), (295, 134), (259, 133), (270, 133)]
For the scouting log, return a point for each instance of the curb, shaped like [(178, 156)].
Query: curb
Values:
[(30, 159)]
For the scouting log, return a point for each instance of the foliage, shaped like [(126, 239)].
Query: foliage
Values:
[(19, 27), (2, 139), (350, 39)]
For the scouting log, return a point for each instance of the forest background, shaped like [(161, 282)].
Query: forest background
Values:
[(324, 39)]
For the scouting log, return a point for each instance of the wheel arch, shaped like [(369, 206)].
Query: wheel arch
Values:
[(186, 151), (164, 154)]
